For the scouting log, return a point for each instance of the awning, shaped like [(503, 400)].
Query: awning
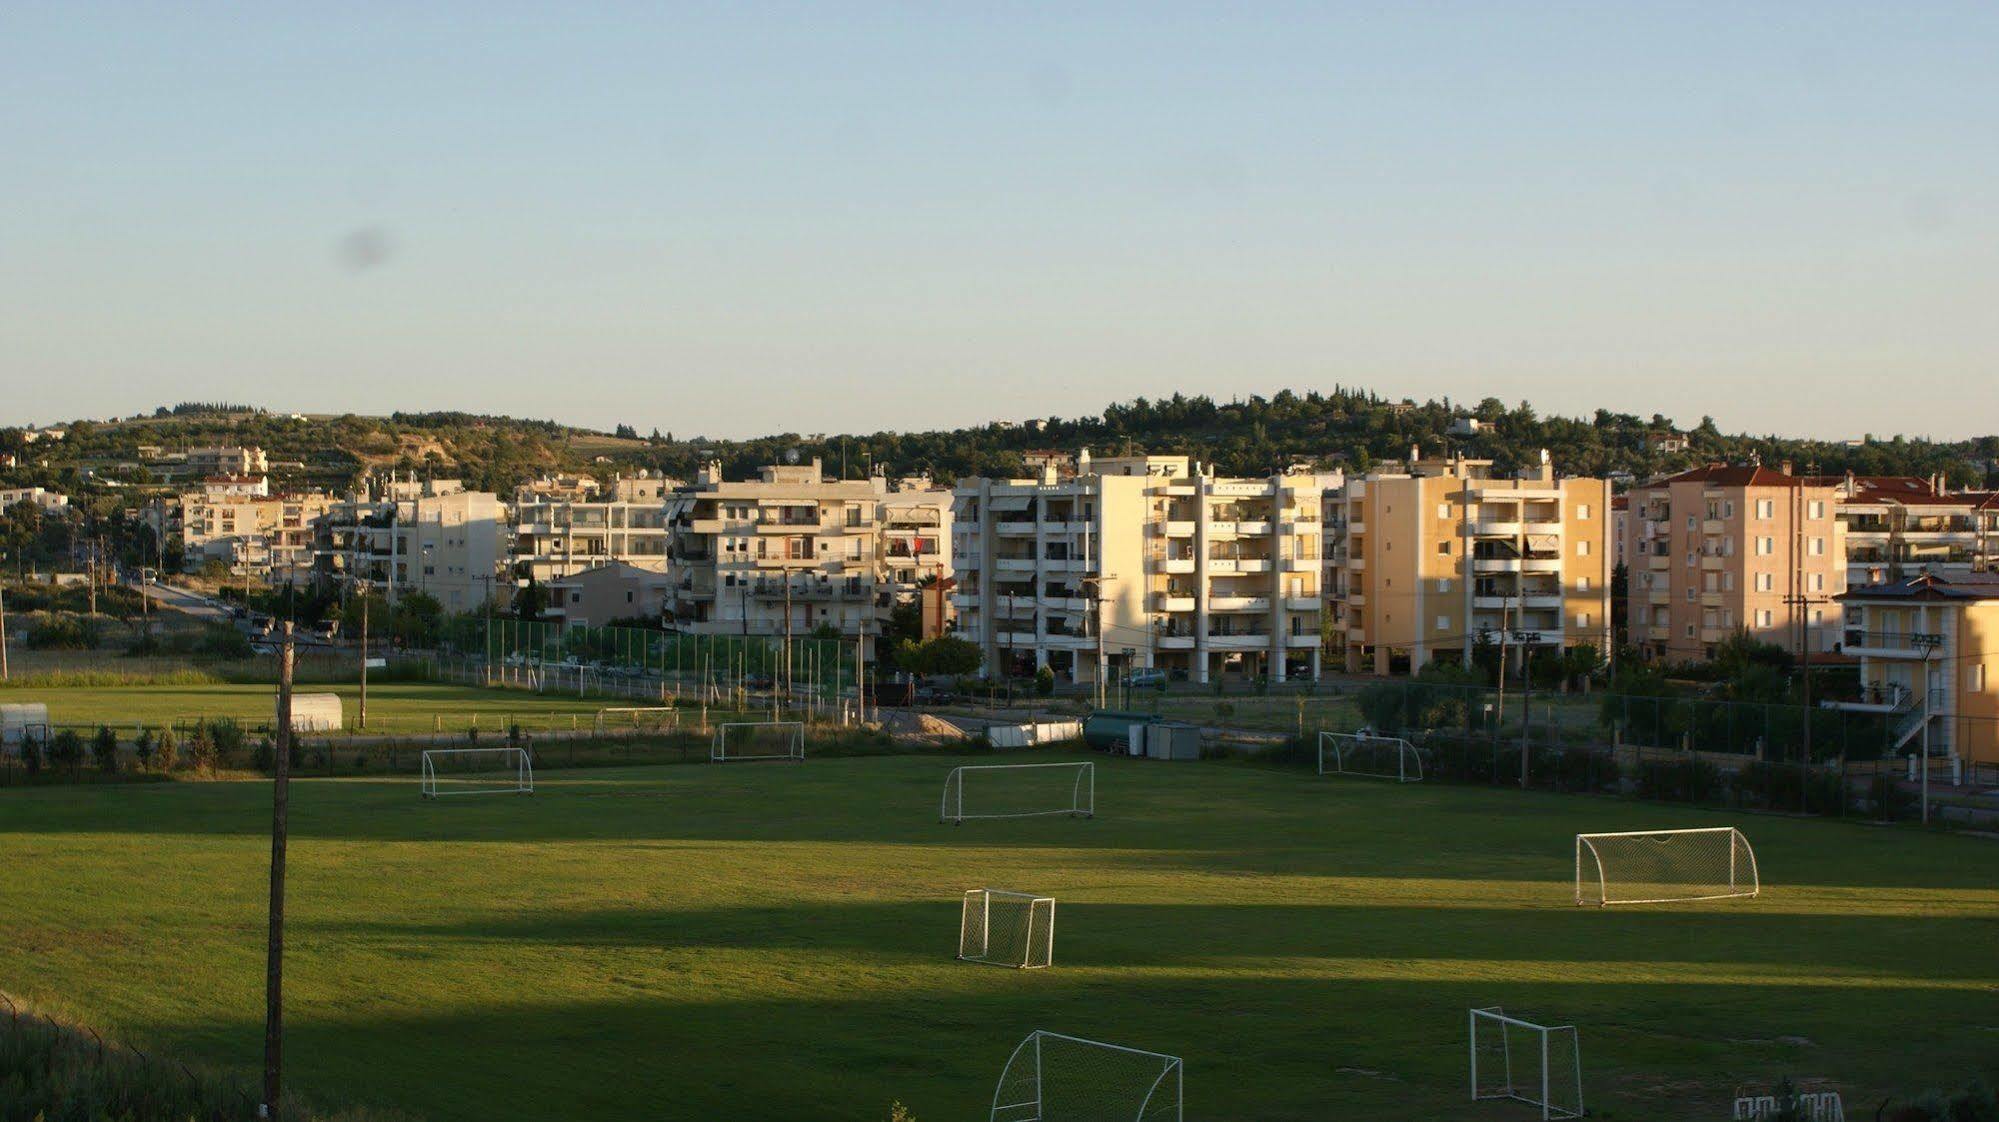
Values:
[(1010, 502)]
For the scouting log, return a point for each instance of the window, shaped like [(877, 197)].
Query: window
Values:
[(1974, 678), (1692, 523), (1443, 512), (1818, 582), (1443, 584), (1766, 546), (1690, 631), (1582, 621), (1728, 508), (1582, 548), (1815, 547), (1766, 582), (1690, 595), (1815, 509), (1766, 508), (1443, 623), (1728, 582), (1582, 584), (1582, 512), (1444, 548), (1765, 617)]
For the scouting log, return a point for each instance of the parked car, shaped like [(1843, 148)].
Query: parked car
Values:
[(1140, 679)]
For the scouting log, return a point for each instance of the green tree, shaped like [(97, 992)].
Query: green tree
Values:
[(104, 746)]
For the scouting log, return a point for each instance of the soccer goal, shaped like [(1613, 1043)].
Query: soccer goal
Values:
[(1377, 757), (1019, 791), (1540, 1065), (1664, 866), (1051, 1076), (639, 718), (1007, 929), (477, 771), (758, 740)]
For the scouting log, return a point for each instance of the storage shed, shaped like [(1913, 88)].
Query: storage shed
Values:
[(315, 712), (19, 719)]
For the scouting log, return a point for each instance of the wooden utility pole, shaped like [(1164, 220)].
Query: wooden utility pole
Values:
[(274, 962), (3, 628)]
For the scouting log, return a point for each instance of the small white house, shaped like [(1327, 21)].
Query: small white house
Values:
[(316, 712)]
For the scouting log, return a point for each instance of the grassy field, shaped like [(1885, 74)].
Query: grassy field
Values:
[(776, 941), (393, 707)]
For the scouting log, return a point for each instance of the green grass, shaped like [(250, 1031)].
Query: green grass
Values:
[(775, 941), (393, 707)]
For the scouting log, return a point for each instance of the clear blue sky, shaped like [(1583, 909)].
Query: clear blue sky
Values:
[(918, 215)]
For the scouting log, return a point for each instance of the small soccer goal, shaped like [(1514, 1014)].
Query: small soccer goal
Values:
[(1051, 1076), (637, 719), (477, 771), (1019, 791), (1540, 1065), (1007, 929), (1374, 757), (757, 740), (1664, 866)]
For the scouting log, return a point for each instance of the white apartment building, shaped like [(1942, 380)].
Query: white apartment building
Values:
[(788, 552), (432, 537), (252, 533), (227, 460), (1140, 562), (1899, 527), (557, 534), (49, 501)]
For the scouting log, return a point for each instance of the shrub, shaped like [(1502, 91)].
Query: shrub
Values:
[(262, 758), (1784, 786), (104, 746), (66, 750), (62, 633), (1044, 682), (142, 749), (229, 738), (221, 641), (1691, 780), (201, 749), (31, 754), (1583, 769), (166, 750)]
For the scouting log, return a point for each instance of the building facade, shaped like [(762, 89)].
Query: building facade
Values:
[(1720, 550), (1929, 661), (1897, 527), (556, 534), (1140, 562), (432, 537), (786, 553), (1432, 560)]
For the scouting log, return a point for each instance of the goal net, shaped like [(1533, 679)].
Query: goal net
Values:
[(1377, 757), (1660, 866), (1019, 791), (1540, 1065), (758, 740), (1007, 928), (1051, 1076), (637, 719), (477, 771)]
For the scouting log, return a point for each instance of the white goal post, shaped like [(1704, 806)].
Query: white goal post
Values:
[(477, 771), (1540, 1065), (1376, 757), (1664, 866), (648, 718), (1019, 791), (1051, 1076), (1007, 929), (758, 740)]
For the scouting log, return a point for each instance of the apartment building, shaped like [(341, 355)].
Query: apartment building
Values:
[(785, 553), (565, 530), (227, 460), (49, 501), (253, 533), (915, 535), (432, 537), (1718, 550), (606, 593), (1929, 661), (1140, 562), (1430, 560), (1897, 527)]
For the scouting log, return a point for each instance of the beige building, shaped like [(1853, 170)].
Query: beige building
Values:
[(1147, 560), (1428, 561), (556, 534), (253, 534), (785, 553), (433, 537), (1929, 660), (616, 591), (1718, 550)]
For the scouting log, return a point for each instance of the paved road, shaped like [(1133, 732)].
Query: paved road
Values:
[(181, 600)]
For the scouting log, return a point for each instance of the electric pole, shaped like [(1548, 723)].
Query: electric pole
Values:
[(274, 962), (361, 720)]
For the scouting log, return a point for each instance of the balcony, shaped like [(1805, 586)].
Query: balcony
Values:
[(1878, 697), (1356, 599), (1658, 596), (1300, 564), (1659, 634), (1496, 564), (1238, 603), (1252, 527), (1658, 562), (1713, 527), (1014, 564), (1713, 563), (1713, 599), (1222, 566), (1492, 527), (1222, 529), (1176, 642), (1168, 602), (1302, 604), (1252, 565), (1174, 529), (1064, 603), (1892, 644), (1174, 565), (1240, 642), (1356, 527), (1015, 528)]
